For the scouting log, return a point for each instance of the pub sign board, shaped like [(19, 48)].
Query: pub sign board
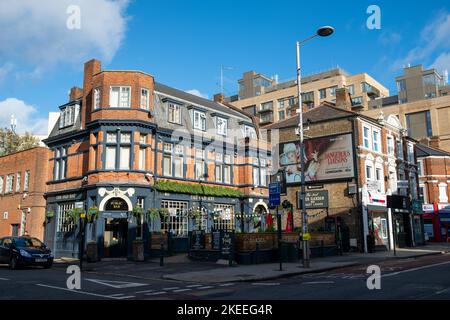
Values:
[(227, 243), (314, 199), (198, 239)]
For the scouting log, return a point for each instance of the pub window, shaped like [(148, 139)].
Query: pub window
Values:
[(60, 163), (144, 99), (119, 97), (64, 223)]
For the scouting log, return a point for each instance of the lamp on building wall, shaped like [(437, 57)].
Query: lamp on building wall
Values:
[(324, 31)]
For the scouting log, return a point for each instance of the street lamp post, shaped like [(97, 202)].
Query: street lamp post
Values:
[(322, 32)]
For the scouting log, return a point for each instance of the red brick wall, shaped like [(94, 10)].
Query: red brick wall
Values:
[(35, 160)]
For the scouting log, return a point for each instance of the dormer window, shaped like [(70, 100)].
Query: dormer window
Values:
[(249, 132), (199, 120), (68, 115), (174, 113), (221, 126), (119, 97)]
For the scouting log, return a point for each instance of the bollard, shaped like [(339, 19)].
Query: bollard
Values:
[(161, 257), (256, 252)]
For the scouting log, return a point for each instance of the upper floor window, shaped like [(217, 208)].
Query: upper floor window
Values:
[(266, 106), (250, 132), (401, 85), (291, 101), (281, 115), (144, 99), (419, 124), (365, 87), (323, 93), (222, 126), (97, 98), (429, 80), (199, 120), (399, 149), (118, 150), (351, 89), (369, 172), (120, 97), (68, 115), (60, 163), (333, 91), (366, 137), (420, 168), (390, 145), (281, 103), (9, 183), (1, 184), (411, 153), (174, 113), (376, 141), (18, 181), (356, 101), (308, 96)]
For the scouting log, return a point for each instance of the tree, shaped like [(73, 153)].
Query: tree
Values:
[(11, 142)]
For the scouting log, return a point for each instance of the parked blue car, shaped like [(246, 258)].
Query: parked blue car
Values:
[(24, 251)]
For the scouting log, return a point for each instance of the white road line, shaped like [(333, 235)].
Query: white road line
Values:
[(226, 284), (4, 279), (266, 283), (126, 297), (205, 287), (173, 288), (442, 291), (145, 291), (414, 269), (182, 290), (194, 285), (318, 282), (117, 295), (155, 293), (76, 291)]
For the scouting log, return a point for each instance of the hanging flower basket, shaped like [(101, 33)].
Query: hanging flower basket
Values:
[(74, 214), (49, 215), (195, 214), (163, 212), (138, 212), (92, 213), (153, 213), (286, 204)]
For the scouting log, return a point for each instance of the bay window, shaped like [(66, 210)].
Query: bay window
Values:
[(118, 151), (119, 97)]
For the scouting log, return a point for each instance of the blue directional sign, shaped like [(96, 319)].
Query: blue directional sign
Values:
[(274, 194)]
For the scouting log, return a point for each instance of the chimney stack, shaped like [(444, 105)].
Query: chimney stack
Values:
[(343, 99), (219, 97), (435, 142), (75, 93)]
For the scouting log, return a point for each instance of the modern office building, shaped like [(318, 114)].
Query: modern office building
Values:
[(422, 105), (271, 101)]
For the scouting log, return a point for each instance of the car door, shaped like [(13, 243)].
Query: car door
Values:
[(1, 251), (6, 249)]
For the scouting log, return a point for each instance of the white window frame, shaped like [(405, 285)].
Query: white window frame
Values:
[(200, 121), (119, 102), (420, 169), (425, 195), (9, 183), (379, 168), (26, 182), (390, 141), (142, 158), (176, 113), (146, 106), (223, 128), (368, 138), (178, 171), (2, 182), (18, 181), (376, 142), (97, 98), (61, 226)]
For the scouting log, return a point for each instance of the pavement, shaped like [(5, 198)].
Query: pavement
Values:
[(180, 268)]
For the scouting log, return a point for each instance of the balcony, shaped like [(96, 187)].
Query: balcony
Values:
[(265, 120), (266, 108)]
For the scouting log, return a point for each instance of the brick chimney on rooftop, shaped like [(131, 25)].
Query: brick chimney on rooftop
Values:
[(343, 99)]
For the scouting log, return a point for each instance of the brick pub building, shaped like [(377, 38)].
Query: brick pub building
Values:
[(354, 162), (23, 177), (125, 141)]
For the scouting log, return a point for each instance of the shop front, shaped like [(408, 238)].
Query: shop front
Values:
[(437, 222), (379, 228)]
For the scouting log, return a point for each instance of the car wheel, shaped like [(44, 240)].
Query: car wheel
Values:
[(13, 263)]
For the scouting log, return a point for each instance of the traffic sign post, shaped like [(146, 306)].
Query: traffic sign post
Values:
[(274, 194)]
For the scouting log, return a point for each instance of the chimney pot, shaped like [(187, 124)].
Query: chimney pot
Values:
[(219, 97), (343, 99)]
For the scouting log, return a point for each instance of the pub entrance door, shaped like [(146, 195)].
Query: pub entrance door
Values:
[(115, 237)]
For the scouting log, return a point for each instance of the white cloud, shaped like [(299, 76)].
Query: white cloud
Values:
[(35, 33), (5, 70), (27, 117), (433, 39), (442, 62), (389, 38), (196, 92)]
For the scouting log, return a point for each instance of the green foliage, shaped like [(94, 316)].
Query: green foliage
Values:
[(11, 142), (138, 212), (270, 228), (154, 213), (195, 214), (197, 189), (75, 213), (92, 213), (50, 214)]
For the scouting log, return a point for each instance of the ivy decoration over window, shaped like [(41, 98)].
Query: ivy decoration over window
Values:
[(215, 191)]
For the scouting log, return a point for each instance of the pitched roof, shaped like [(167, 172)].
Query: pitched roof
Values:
[(324, 112), (425, 151)]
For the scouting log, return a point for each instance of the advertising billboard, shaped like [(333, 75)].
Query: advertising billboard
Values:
[(326, 158)]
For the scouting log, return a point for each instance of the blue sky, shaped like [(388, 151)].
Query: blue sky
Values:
[(184, 43)]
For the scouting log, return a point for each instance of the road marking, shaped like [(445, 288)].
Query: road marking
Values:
[(76, 291), (226, 284), (173, 288), (442, 291), (415, 269), (182, 290), (4, 279), (117, 284), (117, 295), (145, 291), (155, 293), (266, 283), (194, 285), (205, 287), (318, 282), (127, 297)]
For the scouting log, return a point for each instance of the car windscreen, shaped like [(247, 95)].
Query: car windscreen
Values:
[(28, 243)]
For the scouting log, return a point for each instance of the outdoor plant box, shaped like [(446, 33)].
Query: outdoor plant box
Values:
[(138, 250), (92, 251)]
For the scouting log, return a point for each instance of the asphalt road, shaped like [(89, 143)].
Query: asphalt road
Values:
[(420, 278)]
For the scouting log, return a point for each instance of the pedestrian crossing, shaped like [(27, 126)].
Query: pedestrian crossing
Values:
[(191, 288)]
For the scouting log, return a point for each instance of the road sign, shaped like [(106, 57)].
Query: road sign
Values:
[(274, 194), (79, 204)]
